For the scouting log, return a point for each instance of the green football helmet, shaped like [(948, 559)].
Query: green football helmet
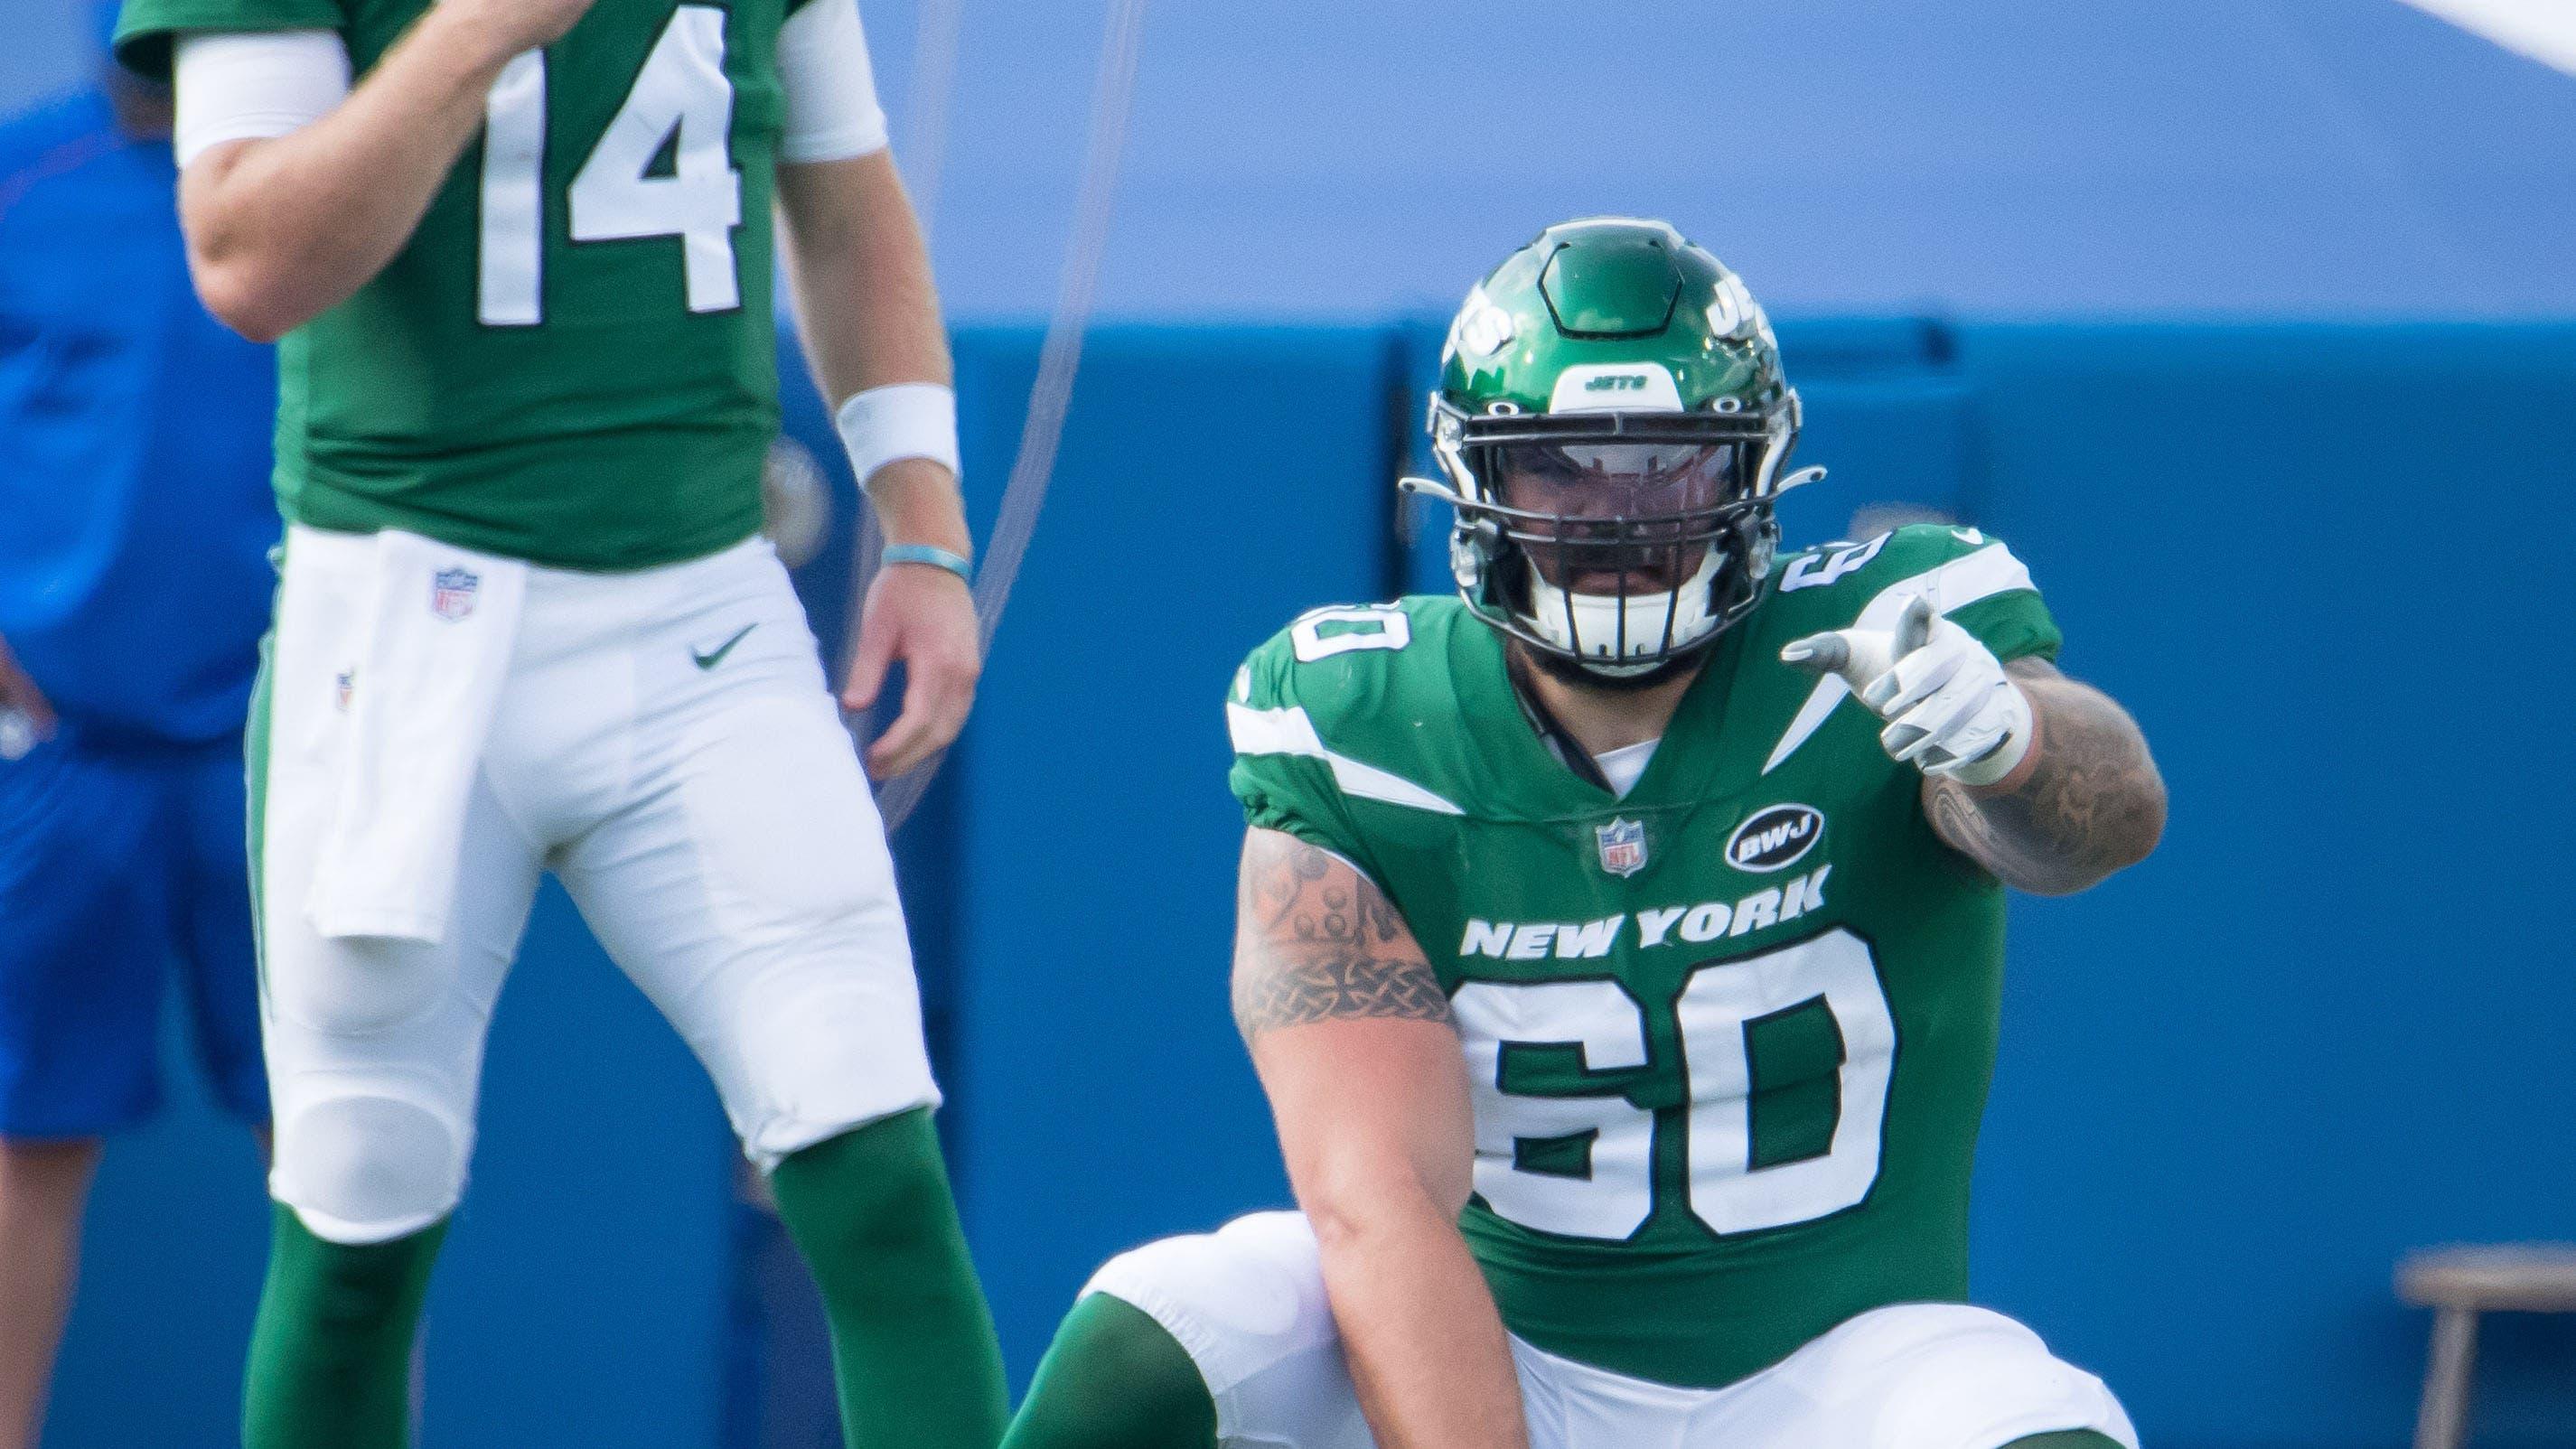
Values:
[(1614, 424)]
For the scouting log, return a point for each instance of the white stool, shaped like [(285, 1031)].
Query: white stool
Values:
[(2458, 1284)]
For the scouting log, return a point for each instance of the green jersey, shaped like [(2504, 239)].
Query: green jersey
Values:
[(572, 361), (1728, 1036)]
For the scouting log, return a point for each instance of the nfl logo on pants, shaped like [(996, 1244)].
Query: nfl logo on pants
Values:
[(451, 593), (1623, 846)]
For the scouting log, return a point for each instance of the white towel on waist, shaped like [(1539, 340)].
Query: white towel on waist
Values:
[(435, 650)]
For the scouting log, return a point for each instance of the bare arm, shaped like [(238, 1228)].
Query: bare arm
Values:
[(866, 304), (2086, 801), (869, 315), (284, 229), (1350, 1032)]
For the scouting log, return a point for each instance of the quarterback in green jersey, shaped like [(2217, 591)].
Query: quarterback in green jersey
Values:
[(1621, 941), (520, 257)]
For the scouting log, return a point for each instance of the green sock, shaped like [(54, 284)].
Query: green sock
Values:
[(2071, 1439), (1114, 1379), (330, 1355), (912, 1342)]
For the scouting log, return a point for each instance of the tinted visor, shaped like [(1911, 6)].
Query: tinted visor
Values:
[(1616, 517)]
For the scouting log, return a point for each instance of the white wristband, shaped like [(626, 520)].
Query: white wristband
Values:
[(899, 420)]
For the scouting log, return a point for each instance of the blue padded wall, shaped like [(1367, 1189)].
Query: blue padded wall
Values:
[(2331, 1018), (1887, 417)]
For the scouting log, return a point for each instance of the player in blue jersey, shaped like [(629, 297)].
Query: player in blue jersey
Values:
[(134, 520)]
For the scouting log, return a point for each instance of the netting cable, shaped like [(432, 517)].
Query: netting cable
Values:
[(928, 94)]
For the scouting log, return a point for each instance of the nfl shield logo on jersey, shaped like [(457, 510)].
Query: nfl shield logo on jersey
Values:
[(451, 593), (1623, 846)]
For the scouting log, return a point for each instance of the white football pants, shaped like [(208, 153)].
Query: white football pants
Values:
[(701, 803), (1247, 1302)]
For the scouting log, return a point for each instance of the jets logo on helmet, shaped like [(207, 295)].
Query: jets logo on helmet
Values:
[(1614, 423)]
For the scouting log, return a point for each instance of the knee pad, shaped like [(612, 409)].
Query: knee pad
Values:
[(1239, 1299), (1247, 1304), (1950, 1376), (364, 1167)]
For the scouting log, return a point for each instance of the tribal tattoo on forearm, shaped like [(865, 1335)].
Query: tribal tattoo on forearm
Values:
[(2092, 803), (1317, 941)]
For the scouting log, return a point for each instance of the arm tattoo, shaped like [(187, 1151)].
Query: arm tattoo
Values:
[(2091, 804), (1317, 941)]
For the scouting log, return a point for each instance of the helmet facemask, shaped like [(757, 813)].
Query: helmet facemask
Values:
[(1620, 542)]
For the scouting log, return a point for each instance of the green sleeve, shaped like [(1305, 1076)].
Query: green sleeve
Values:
[(2016, 625), (1977, 580), (145, 28), (1280, 773)]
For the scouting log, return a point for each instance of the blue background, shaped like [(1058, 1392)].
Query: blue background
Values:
[(1354, 161), (2252, 326)]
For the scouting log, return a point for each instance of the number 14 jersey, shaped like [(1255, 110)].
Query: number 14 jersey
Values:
[(573, 360), (1728, 1038)]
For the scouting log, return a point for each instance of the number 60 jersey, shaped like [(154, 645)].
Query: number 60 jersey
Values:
[(573, 360), (1728, 1037)]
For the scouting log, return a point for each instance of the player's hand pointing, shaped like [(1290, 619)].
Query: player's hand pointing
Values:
[(1950, 708), (925, 617)]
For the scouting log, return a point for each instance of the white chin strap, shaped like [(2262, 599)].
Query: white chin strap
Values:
[(1590, 625)]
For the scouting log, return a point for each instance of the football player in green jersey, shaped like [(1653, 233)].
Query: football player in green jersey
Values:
[(1620, 941), (520, 256)]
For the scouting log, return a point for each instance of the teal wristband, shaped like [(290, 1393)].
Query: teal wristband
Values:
[(933, 555)]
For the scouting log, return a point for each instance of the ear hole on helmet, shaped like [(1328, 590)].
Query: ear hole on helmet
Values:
[(1473, 548)]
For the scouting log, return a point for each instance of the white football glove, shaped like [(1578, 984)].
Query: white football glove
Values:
[(1950, 709)]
